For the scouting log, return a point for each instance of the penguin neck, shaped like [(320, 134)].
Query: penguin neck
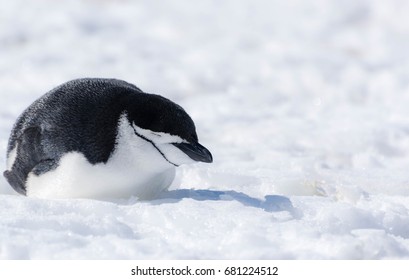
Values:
[(135, 151)]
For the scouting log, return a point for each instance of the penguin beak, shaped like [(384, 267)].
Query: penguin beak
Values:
[(195, 151)]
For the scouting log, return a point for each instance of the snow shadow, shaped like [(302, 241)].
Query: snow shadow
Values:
[(271, 203)]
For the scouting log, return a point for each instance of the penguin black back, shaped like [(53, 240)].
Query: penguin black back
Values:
[(83, 107)]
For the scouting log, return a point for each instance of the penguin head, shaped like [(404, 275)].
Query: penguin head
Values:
[(167, 127)]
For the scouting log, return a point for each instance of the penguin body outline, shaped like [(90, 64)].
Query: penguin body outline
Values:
[(97, 123)]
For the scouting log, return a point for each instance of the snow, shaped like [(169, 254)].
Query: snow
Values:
[(303, 105)]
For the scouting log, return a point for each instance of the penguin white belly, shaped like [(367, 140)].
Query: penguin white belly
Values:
[(134, 169), (75, 177)]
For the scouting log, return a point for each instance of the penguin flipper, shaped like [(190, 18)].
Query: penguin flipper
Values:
[(15, 181), (44, 166), (30, 158)]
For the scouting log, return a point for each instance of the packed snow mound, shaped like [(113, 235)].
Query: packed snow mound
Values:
[(303, 105)]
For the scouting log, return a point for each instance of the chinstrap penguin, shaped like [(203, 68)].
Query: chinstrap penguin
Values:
[(102, 139)]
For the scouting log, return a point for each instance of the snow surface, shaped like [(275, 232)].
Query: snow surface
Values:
[(304, 105)]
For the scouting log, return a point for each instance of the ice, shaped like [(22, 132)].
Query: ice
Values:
[(303, 104)]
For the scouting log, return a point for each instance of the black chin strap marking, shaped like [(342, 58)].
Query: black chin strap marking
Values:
[(153, 144)]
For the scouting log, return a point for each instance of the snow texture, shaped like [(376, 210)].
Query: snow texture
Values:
[(304, 105)]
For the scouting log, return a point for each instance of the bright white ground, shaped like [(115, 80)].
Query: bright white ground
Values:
[(304, 105)]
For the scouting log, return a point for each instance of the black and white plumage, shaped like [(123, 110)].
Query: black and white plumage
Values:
[(100, 138)]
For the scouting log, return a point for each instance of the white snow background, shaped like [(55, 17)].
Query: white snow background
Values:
[(304, 105)]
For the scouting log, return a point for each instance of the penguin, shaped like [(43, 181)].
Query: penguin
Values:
[(100, 139)]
